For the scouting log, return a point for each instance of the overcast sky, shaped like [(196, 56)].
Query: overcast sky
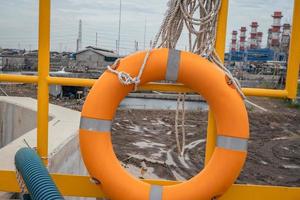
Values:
[(19, 21)]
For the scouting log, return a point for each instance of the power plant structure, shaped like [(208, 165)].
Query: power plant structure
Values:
[(243, 39), (253, 36), (233, 45), (249, 48)]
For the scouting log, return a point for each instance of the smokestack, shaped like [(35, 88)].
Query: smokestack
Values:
[(79, 39), (233, 46), (276, 29), (269, 38), (285, 37), (243, 38), (259, 39), (253, 35)]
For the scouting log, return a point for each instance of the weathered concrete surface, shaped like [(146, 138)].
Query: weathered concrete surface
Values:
[(63, 132), (64, 154), (15, 120)]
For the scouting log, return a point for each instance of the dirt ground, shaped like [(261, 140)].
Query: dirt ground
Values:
[(144, 141)]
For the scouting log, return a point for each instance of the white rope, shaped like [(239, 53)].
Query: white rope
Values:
[(21, 183), (3, 92), (180, 101), (199, 17), (183, 124), (176, 126), (202, 34)]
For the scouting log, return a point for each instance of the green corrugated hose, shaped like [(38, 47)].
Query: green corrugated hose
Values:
[(36, 177)]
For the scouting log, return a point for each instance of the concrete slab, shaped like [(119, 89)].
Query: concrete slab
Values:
[(63, 132)]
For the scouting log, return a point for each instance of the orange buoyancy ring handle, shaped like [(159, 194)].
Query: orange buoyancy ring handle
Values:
[(198, 74)]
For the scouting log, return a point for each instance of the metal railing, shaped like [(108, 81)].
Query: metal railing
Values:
[(72, 185)]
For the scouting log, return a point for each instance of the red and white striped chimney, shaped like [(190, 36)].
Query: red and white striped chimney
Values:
[(259, 39), (243, 38), (233, 46), (253, 35), (276, 29), (269, 37)]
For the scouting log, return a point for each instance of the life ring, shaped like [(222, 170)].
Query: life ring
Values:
[(193, 71)]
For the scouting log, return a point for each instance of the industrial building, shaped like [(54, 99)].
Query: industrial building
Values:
[(95, 58), (251, 48)]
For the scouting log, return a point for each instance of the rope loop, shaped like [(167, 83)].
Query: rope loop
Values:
[(125, 78)]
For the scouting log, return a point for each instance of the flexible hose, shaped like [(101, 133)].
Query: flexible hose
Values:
[(36, 177)]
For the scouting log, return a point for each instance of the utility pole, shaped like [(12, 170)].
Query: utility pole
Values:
[(60, 47), (136, 45), (119, 34), (117, 46), (145, 29), (96, 39)]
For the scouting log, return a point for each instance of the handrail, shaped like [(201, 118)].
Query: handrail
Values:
[(44, 80)]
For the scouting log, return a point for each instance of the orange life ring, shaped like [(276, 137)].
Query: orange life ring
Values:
[(193, 71)]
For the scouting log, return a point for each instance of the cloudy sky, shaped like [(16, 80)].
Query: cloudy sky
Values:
[(19, 22)]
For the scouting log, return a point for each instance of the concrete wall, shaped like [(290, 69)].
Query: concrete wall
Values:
[(63, 144), (14, 122)]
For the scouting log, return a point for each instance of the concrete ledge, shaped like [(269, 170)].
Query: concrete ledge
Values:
[(63, 140)]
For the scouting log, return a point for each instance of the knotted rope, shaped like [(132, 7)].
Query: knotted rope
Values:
[(199, 19)]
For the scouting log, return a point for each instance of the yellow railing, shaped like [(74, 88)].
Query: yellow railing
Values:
[(72, 185)]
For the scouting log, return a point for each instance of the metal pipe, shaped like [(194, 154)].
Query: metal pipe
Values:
[(43, 73), (211, 137), (71, 81), (164, 87), (260, 92), (18, 78), (294, 54), (220, 48)]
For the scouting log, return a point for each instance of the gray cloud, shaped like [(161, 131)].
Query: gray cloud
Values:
[(19, 22)]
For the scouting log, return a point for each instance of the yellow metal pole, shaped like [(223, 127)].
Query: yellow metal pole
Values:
[(71, 81), (18, 78), (163, 87), (294, 54), (211, 137), (81, 186), (221, 29), (220, 48), (260, 92), (43, 72)]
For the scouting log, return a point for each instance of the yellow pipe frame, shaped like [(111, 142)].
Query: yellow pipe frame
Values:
[(43, 72), (294, 54), (221, 30), (81, 186), (18, 78), (163, 87), (72, 185), (220, 48), (210, 137), (71, 81)]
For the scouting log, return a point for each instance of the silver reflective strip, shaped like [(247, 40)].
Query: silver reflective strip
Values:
[(232, 143), (155, 192), (95, 124), (173, 65)]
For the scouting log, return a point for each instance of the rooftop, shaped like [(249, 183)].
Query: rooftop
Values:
[(101, 51)]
